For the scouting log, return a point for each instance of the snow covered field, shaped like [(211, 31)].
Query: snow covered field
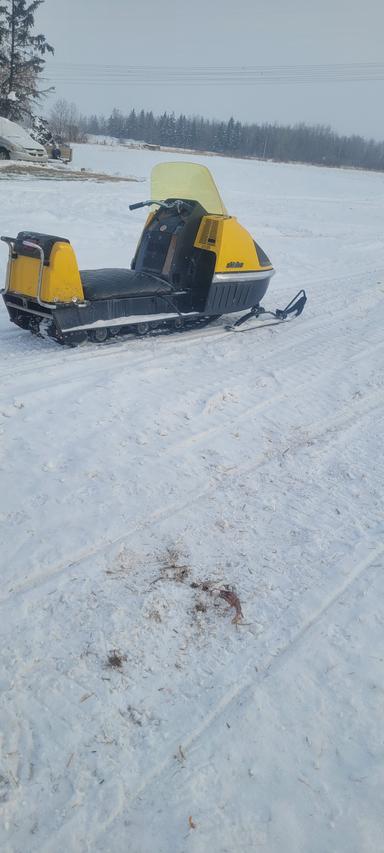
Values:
[(139, 478)]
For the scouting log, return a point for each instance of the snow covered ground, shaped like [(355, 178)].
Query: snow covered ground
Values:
[(139, 478)]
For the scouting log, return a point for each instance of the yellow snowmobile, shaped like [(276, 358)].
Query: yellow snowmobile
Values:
[(193, 263)]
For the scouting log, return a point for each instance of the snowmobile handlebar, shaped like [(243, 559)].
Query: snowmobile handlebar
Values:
[(178, 203), (139, 204)]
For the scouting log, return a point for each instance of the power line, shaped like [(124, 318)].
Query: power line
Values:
[(115, 75), (203, 68)]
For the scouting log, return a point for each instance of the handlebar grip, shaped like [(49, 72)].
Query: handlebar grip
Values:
[(137, 205)]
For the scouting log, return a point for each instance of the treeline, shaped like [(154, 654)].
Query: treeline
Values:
[(297, 143)]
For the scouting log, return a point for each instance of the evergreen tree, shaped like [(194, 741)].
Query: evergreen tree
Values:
[(3, 30), (181, 132), (163, 129), (40, 131), (21, 58), (132, 125), (140, 126), (230, 135), (149, 133), (171, 130), (116, 124)]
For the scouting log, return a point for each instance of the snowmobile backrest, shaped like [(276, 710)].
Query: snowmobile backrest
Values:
[(61, 280), (45, 241)]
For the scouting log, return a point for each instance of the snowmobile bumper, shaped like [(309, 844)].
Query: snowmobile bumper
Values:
[(232, 292)]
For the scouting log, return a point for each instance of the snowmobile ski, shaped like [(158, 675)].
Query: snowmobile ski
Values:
[(294, 307)]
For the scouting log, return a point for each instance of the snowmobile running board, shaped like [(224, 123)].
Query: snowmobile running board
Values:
[(295, 307)]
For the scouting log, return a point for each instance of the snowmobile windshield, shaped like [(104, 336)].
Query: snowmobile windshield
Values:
[(188, 181)]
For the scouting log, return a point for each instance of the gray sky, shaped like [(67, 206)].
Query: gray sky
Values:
[(217, 33)]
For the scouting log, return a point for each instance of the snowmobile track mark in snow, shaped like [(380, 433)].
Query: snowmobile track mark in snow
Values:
[(246, 414), (35, 582)]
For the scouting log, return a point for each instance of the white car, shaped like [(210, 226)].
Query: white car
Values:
[(17, 144)]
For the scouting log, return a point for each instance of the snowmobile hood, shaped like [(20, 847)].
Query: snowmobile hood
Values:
[(188, 181)]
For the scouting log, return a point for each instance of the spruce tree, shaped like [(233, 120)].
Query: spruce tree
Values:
[(21, 58)]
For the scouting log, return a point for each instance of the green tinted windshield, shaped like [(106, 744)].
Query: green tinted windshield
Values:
[(187, 181)]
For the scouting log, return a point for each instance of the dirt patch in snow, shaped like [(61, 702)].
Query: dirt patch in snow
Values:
[(115, 659), (14, 170)]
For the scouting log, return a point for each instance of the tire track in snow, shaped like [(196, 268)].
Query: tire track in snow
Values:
[(362, 408)]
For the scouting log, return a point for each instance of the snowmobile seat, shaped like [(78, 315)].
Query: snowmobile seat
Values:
[(117, 283)]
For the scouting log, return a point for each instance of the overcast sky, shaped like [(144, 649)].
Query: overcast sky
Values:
[(217, 33)]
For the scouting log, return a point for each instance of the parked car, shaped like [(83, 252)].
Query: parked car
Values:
[(17, 144)]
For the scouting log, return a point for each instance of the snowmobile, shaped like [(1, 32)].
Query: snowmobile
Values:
[(193, 264)]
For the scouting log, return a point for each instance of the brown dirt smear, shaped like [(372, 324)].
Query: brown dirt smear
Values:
[(115, 659)]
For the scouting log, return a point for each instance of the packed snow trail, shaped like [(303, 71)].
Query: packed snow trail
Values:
[(137, 480)]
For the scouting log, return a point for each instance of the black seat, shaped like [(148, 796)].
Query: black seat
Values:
[(110, 283)]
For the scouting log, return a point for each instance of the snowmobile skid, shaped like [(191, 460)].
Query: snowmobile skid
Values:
[(193, 263)]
